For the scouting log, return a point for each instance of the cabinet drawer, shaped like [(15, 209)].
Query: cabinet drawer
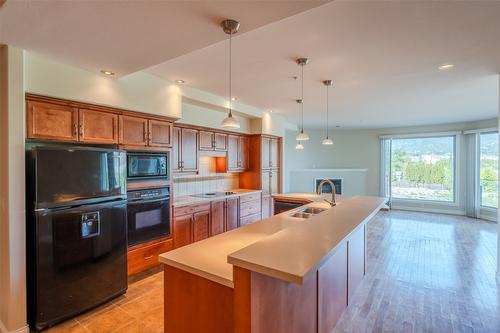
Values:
[(250, 207), (142, 258), (250, 197), (249, 219), (186, 210)]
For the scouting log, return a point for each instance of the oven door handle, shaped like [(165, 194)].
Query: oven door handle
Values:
[(137, 202)]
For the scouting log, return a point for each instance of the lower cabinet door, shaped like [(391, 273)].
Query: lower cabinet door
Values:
[(217, 217), (183, 230), (266, 206), (332, 290), (142, 257), (356, 260), (201, 225), (232, 213)]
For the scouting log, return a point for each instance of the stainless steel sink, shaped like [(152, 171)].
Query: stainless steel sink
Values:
[(302, 215), (307, 212), (313, 210)]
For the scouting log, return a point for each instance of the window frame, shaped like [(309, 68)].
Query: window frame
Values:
[(456, 170), (482, 208)]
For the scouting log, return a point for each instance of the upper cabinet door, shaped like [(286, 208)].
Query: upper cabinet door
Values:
[(274, 182), (220, 141), (51, 121), (273, 153), (243, 153), (266, 182), (133, 131), (176, 149), (189, 149), (264, 153), (232, 152), (207, 140), (97, 126), (160, 133)]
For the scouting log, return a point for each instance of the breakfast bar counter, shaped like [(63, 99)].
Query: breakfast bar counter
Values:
[(276, 275)]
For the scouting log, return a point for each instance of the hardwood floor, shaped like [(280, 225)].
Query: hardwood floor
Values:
[(425, 273)]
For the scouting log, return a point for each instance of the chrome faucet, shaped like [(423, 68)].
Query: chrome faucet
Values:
[(319, 191)]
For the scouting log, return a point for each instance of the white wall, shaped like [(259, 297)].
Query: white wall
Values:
[(361, 149), (137, 92), (12, 192)]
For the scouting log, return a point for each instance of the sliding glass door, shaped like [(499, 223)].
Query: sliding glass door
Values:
[(488, 170)]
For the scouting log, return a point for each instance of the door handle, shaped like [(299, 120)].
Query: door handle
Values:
[(148, 257), (81, 129), (75, 129)]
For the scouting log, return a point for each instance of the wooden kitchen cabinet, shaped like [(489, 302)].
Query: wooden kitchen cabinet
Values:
[(97, 126), (212, 141), (232, 152), (266, 206), (355, 260), (237, 153), (160, 133), (184, 149), (220, 141), (183, 230), (332, 289), (176, 149), (243, 153), (232, 213), (51, 121), (133, 131), (265, 152), (206, 140), (269, 153), (145, 256), (274, 182), (144, 132), (201, 225), (273, 153), (217, 217)]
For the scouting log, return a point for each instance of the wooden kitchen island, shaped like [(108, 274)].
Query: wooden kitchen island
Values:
[(282, 274)]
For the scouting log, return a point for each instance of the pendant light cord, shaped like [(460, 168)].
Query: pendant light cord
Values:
[(230, 76), (327, 112), (302, 100)]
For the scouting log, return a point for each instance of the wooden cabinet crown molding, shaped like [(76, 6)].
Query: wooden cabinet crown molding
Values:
[(95, 107)]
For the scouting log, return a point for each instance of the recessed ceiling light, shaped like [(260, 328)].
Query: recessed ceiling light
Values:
[(106, 72), (233, 98), (180, 81), (446, 66), (271, 111)]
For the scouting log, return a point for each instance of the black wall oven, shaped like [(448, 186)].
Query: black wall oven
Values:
[(146, 165), (148, 214)]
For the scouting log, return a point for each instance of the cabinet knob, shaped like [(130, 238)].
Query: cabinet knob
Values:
[(75, 130), (81, 129)]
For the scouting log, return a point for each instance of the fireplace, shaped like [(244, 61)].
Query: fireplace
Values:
[(326, 187)]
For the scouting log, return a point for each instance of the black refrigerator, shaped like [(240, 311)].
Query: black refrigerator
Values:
[(76, 231)]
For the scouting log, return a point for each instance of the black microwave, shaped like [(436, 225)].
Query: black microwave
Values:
[(147, 165)]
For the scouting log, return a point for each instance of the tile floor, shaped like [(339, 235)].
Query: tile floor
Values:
[(425, 273)]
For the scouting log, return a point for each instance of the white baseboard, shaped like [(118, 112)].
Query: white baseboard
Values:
[(24, 329), (430, 210)]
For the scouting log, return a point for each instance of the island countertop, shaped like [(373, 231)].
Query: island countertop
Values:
[(280, 246)]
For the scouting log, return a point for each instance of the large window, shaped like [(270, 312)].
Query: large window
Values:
[(423, 168), (488, 169)]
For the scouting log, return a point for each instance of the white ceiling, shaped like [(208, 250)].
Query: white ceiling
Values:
[(382, 56), (127, 36)]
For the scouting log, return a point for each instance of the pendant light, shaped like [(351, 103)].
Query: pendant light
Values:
[(327, 141), (299, 145), (302, 136), (230, 27)]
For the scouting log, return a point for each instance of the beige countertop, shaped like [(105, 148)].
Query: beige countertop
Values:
[(280, 246), (192, 200)]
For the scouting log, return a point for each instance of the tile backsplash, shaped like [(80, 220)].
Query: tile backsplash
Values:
[(207, 180)]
